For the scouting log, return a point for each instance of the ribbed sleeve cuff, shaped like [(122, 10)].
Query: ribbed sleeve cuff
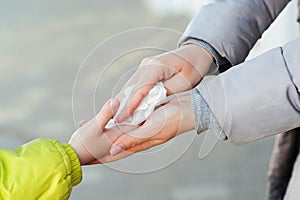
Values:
[(204, 117), (76, 172)]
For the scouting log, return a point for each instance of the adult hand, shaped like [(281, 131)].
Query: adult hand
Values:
[(180, 70), (165, 123)]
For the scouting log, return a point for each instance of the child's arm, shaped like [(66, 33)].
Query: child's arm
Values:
[(40, 169), (46, 169)]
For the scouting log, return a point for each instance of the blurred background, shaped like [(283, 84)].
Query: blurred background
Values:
[(42, 46)]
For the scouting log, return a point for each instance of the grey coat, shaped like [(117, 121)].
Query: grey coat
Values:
[(258, 98), (284, 155)]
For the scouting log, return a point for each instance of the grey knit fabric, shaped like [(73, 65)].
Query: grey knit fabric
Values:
[(204, 117)]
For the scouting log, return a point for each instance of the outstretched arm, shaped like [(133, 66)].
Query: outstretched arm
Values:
[(223, 30), (251, 101), (46, 169)]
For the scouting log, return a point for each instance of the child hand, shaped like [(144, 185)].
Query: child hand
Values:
[(92, 140)]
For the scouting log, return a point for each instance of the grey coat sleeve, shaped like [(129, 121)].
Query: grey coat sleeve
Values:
[(232, 27), (257, 98)]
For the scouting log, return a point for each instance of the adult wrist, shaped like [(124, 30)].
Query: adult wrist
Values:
[(199, 57)]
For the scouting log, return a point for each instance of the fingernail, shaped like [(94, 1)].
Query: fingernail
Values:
[(115, 150), (82, 122)]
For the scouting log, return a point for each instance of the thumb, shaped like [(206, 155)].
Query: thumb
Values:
[(107, 112)]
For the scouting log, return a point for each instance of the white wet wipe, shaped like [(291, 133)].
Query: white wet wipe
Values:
[(156, 95)]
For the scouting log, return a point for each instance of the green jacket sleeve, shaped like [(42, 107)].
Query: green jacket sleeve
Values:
[(40, 169)]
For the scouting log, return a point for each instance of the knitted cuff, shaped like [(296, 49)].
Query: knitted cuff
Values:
[(204, 117)]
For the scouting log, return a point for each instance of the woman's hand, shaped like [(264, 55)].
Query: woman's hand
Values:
[(180, 70), (166, 122)]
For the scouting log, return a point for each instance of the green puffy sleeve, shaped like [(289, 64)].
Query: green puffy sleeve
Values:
[(41, 169)]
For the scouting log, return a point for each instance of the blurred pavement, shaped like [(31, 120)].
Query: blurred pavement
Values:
[(42, 45)]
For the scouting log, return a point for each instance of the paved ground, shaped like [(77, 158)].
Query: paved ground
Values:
[(42, 47)]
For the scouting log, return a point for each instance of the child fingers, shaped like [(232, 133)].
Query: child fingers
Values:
[(107, 112)]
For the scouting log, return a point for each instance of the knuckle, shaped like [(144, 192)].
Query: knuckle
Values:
[(131, 142), (126, 141)]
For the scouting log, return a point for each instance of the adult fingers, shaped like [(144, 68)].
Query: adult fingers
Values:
[(148, 78), (123, 154), (150, 74), (109, 158), (153, 126), (176, 84), (107, 139), (132, 81), (182, 81), (135, 98), (124, 142)]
